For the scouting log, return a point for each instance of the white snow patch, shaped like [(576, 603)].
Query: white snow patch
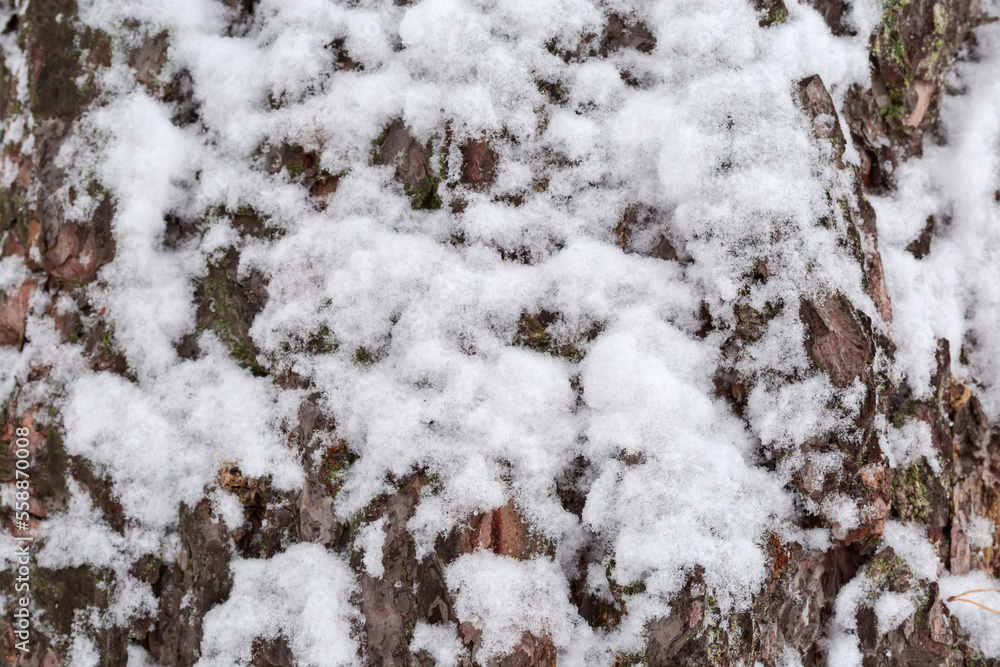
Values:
[(174, 436), (13, 272), (440, 641), (980, 623), (139, 657), (506, 598), (953, 292), (842, 513), (980, 532), (303, 594), (371, 540), (908, 444), (892, 610), (83, 652), (694, 499), (842, 643), (910, 542), (79, 536)]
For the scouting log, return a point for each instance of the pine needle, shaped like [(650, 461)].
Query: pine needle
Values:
[(959, 598)]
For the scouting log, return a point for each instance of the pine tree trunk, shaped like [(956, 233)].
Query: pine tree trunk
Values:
[(42, 104)]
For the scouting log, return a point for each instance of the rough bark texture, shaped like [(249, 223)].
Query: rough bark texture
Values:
[(910, 52)]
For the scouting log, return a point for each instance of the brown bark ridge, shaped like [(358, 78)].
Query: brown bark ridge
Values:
[(910, 52)]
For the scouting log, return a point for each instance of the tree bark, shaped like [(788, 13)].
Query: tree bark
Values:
[(888, 122)]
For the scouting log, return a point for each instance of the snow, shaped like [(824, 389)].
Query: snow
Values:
[(13, 273), (139, 657), (842, 640), (892, 610), (440, 641), (789, 658), (843, 514), (174, 436), (712, 138), (78, 536), (909, 443), (371, 541), (696, 500), (147, 291), (952, 292), (227, 506), (795, 412), (981, 623), (506, 598), (301, 594), (378, 275), (909, 541), (980, 532), (84, 653)]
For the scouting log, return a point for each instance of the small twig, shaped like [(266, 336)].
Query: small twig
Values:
[(959, 598)]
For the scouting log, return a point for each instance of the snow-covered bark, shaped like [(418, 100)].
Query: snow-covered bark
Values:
[(501, 332)]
